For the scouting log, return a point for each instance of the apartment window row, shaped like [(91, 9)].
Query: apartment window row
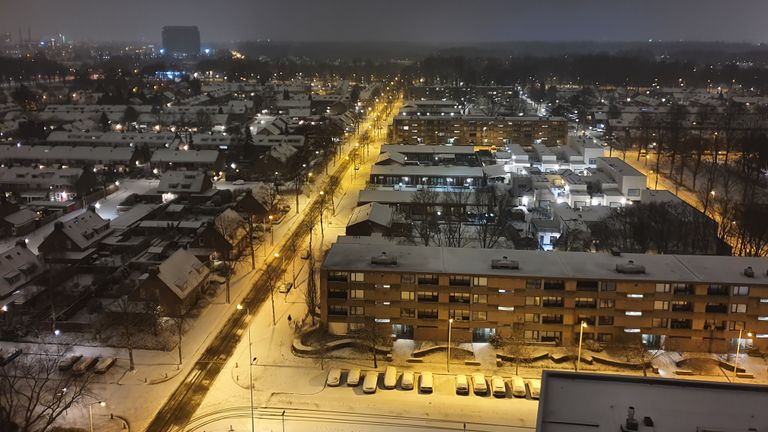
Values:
[(336, 276), (581, 285)]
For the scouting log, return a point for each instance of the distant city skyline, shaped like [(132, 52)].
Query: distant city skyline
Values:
[(424, 21)]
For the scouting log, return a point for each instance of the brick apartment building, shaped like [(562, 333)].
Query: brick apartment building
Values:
[(683, 302)]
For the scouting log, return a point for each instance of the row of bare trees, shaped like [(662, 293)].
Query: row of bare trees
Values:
[(455, 218)]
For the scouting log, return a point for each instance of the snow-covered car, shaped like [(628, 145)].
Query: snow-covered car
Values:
[(462, 387), (104, 365), (498, 387), (406, 382), (390, 377), (238, 182), (370, 382), (67, 363), (534, 387), (479, 385), (285, 287), (334, 378), (426, 383), (518, 387), (353, 377), (83, 365)]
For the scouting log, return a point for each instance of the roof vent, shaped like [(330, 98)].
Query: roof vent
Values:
[(384, 259), (505, 263), (630, 268), (615, 251), (748, 272)]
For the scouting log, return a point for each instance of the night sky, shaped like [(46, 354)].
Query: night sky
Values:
[(393, 20)]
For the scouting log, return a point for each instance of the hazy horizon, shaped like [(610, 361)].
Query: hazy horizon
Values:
[(399, 21)]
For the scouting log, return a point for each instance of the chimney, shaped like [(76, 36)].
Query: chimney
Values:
[(749, 272), (631, 424), (21, 243)]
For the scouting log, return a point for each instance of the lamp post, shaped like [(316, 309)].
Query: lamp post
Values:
[(738, 349), (90, 412), (271, 230), (272, 289), (582, 326), (250, 367), (448, 357)]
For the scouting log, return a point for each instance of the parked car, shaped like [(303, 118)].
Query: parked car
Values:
[(238, 182), (284, 287), (406, 382), (104, 365), (479, 385), (518, 387), (353, 377), (426, 382), (498, 387), (462, 387), (534, 387), (7, 358), (390, 377), (66, 363), (370, 382), (83, 365), (334, 378)]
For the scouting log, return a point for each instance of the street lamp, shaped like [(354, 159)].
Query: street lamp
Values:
[(738, 348), (271, 230), (90, 412), (448, 357), (581, 335), (272, 289), (250, 368)]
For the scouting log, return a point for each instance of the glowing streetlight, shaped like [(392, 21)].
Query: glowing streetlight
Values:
[(250, 367), (448, 357), (581, 335), (90, 412), (738, 348)]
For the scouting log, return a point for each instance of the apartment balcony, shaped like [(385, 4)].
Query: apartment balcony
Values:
[(428, 281), (681, 324), (552, 304), (337, 295), (688, 307), (720, 291), (684, 291), (716, 308), (427, 299), (554, 320), (585, 305)]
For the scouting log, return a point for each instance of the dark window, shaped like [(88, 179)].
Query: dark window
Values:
[(554, 284), (584, 285)]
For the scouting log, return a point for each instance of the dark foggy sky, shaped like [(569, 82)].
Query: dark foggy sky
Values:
[(393, 20)]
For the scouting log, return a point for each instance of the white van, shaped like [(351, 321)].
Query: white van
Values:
[(406, 383), (518, 387), (426, 382), (479, 385), (390, 377), (334, 378), (534, 387), (498, 387), (462, 387), (370, 382), (353, 377)]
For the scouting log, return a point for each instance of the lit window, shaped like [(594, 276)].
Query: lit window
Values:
[(740, 290), (632, 330), (635, 296), (633, 313), (506, 308), (357, 277), (738, 308), (356, 294)]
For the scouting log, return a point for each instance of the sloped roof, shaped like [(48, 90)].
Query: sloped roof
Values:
[(86, 229), (181, 181), (21, 217), (185, 156), (391, 156), (182, 273), (379, 214), (18, 266)]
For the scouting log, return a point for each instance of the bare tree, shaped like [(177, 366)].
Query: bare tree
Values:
[(233, 228), (631, 349), (373, 335), (490, 221), (424, 201), (454, 218), (34, 395), (311, 295), (514, 345)]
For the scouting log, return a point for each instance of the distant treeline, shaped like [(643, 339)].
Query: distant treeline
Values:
[(588, 69)]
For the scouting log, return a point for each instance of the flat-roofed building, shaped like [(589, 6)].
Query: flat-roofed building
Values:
[(415, 175), (679, 302), (477, 130), (623, 403)]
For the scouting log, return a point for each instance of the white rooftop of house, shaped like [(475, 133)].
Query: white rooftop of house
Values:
[(18, 266), (54, 108), (517, 150), (21, 217), (39, 177), (379, 214), (586, 214), (553, 265), (618, 166), (182, 272), (672, 404), (543, 151), (85, 229), (434, 171), (391, 156), (133, 215), (42, 153), (271, 140), (111, 138), (181, 181), (185, 156), (428, 149)]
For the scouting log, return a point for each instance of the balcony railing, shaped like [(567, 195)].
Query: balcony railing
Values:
[(684, 291), (431, 299), (586, 305), (681, 324), (716, 308), (553, 320), (428, 281), (682, 307), (721, 291), (337, 294), (552, 303)]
